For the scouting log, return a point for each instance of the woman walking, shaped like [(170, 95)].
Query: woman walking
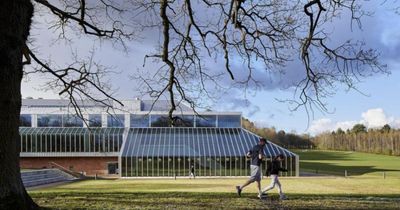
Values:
[(273, 171)]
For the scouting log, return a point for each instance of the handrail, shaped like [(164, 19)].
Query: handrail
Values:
[(62, 168)]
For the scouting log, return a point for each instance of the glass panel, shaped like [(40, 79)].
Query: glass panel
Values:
[(25, 120), (184, 121), (159, 121), (173, 151), (116, 120), (139, 121), (206, 121), (49, 120), (95, 120), (72, 121), (229, 121)]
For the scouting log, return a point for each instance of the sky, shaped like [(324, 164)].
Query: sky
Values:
[(376, 103)]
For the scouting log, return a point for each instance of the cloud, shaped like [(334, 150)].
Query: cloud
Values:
[(321, 125), (372, 118), (344, 125), (235, 102)]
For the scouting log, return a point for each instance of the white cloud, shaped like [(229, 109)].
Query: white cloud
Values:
[(372, 118), (321, 125), (344, 125), (395, 123), (390, 37)]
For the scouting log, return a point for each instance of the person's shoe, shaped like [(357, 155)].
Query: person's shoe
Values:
[(239, 191), (262, 195), (283, 197)]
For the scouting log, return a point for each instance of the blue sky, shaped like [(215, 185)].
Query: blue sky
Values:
[(379, 103)]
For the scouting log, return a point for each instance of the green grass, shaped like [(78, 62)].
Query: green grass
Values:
[(303, 193), (365, 189), (356, 163)]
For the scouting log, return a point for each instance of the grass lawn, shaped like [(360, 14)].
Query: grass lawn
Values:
[(303, 193), (356, 163), (365, 189)]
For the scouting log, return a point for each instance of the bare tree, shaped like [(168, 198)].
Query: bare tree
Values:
[(270, 33), (80, 80), (267, 33)]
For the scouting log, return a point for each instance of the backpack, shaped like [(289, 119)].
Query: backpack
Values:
[(269, 168)]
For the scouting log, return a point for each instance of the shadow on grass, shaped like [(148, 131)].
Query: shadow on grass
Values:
[(324, 155), (328, 168), (186, 200)]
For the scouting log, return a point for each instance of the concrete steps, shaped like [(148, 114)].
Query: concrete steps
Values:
[(44, 177)]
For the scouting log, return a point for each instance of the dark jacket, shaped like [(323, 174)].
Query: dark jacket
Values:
[(274, 167)]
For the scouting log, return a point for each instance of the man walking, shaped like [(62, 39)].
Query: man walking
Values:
[(256, 154)]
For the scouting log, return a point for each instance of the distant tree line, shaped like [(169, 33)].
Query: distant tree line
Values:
[(383, 140), (287, 140)]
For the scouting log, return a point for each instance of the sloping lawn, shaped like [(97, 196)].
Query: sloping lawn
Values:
[(356, 163)]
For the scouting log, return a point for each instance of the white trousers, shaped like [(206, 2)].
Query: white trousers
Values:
[(274, 181)]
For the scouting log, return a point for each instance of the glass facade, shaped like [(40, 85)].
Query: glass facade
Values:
[(49, 120), (184, 121), (72, 121), (206, 121), (95, 120), (212, 152), (229, 121), (159, 121), (55, 140), (25, 120), (116, 121), (139, 121), (214, 144), (136, 121)]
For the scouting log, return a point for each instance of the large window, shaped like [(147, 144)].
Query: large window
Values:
[(71, 139), (229, 121), (206, 121), (159, 121), (184, 121), (72, 121), (94, 120), (25, 120), (115, 121), (139, 121), (211, 151), (49, 120)]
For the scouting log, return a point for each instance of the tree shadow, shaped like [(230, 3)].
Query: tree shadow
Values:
[(324, 155), (213, 200), (333, 169)]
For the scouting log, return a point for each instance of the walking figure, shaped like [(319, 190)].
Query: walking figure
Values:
[(256, 154), (273, 171), (191, 173)]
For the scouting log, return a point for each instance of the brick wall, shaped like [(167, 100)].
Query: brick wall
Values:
[(90, 165)]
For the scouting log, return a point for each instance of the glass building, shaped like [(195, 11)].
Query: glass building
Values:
[(138, 142)]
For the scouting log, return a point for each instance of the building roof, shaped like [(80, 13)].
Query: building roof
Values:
[(194, 142), (45, 103), (162, 105), (135, 104)]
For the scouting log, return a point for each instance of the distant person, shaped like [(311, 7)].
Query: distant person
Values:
[(256, 154), (191, 173), (273, 171)]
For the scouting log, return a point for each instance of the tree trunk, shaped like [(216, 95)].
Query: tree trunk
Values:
[(15, 20)]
